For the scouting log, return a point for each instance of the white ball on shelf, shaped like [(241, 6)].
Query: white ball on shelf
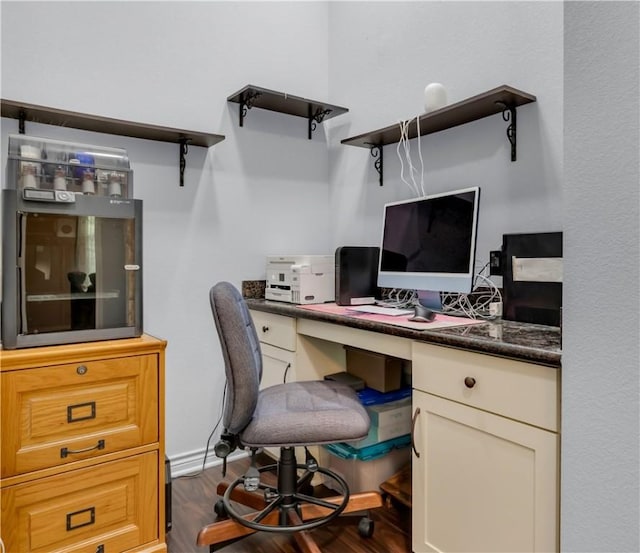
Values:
[(435, 97)]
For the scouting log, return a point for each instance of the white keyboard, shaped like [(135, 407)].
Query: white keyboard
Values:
[(380, 310)]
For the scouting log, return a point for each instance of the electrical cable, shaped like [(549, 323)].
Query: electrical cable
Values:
[(206, 451), (401, 141), (405, 143), (475, 305)]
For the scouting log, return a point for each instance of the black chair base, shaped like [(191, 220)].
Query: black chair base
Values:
[(285, 510)]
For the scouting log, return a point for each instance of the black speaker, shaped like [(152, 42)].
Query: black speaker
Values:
[(357, 275)]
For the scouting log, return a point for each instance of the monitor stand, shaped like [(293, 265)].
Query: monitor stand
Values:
[(430, 299)]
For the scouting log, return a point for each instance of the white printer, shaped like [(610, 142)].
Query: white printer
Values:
[(301, 279)]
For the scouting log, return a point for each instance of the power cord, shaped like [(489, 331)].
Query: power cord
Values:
[(477, 304), (405, 144), (206, 451)]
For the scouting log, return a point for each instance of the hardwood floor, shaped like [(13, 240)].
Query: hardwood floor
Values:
[(192, 508)]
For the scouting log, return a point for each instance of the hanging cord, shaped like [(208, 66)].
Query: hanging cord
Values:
[(420, 155), (404, 143), (206, 451), (401, 144)]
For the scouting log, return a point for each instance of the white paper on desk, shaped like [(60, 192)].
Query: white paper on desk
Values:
[(441, 321)]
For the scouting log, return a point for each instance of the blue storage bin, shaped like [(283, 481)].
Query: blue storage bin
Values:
[(369, 396)]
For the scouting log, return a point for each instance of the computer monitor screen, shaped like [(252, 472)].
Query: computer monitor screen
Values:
[(429, 243)]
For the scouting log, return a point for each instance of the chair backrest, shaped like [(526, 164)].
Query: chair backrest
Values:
[(241, 352)]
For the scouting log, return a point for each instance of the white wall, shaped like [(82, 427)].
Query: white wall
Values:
[(262, 190), (600, 360), (175, 63), (381, 57)]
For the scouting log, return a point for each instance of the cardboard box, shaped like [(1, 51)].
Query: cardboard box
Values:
[(380, 372), (388, 421)]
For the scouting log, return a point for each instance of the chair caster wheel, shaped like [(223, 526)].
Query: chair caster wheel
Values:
[(220, 509), (366, 527)]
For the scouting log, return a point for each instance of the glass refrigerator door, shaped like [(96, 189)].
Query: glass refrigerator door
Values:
[(77, 273)]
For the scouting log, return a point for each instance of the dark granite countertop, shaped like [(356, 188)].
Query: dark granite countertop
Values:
[(522, 341)]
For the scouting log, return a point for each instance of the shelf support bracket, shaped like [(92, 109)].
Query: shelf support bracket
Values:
[(509, 115), (184, 149), (378, 164), (247, 103), (22, 116), (316, 118)]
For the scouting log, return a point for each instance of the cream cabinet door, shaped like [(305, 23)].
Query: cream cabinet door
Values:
[(481, 482), (278, 366)]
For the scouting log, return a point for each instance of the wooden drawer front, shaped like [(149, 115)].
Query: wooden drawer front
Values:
[(276, 330), (114, 505), (518, 390), (57, 415)]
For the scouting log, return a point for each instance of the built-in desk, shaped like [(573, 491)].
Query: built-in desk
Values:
[(485, 406)]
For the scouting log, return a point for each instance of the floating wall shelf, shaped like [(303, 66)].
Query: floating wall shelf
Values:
[(503, 99), (52, 116), (256, 97)]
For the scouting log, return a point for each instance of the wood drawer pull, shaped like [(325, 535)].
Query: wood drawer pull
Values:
[(413, 426), (469, 382), (84, 520), (66, 451), (91, 414)]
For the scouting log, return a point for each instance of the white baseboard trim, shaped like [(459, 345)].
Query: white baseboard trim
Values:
[(191, 462)]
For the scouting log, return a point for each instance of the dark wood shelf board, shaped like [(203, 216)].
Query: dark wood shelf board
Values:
[(285, 103), (465, 111), (87, 122)]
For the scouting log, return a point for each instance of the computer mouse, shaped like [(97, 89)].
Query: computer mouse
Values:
[(422, 314)]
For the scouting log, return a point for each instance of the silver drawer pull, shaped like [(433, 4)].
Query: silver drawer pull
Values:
[(82, 369), (65, 451)]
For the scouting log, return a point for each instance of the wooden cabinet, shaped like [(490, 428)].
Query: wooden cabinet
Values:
[(82, 457), (485, 465)]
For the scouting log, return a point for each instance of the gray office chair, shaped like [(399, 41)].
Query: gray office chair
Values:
[(284, 416)]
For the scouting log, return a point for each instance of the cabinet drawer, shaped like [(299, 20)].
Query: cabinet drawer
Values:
[(113, 504), (514, 389), (63, 413), (277, 330)]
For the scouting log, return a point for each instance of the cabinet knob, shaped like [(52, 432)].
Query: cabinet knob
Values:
[(82, 369), (469, 382), (265, 329)]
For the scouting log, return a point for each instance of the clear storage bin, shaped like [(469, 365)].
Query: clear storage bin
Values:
[(46, 164)]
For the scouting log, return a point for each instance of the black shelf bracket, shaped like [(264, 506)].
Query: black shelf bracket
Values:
[(184, 149), (22, 116), (509, 115), (316, 118), (378, 164), (247, 103)]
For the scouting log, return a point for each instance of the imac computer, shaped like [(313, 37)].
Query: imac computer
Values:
[(429, 244)]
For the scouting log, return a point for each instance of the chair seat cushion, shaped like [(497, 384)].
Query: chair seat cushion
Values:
[(306, 413)]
